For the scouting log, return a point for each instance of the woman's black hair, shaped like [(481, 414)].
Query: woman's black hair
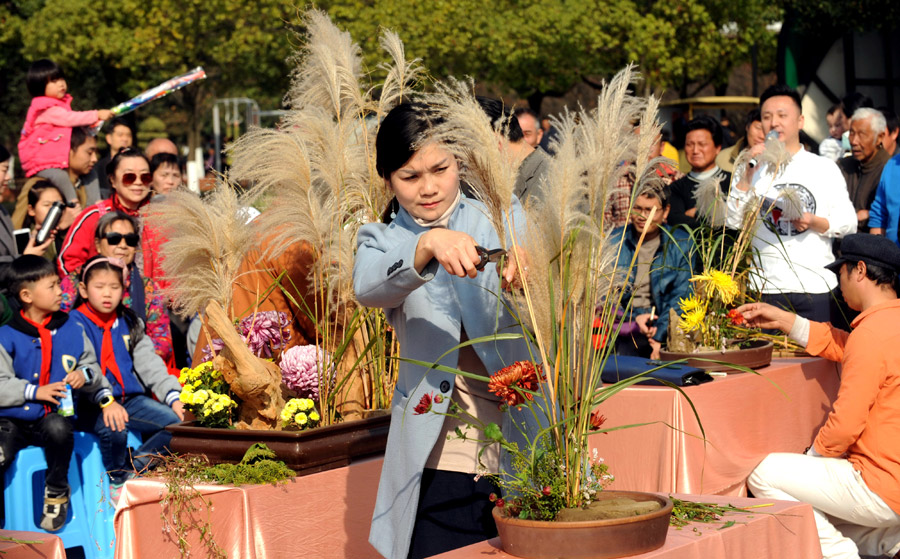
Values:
[(395, 144), (24, 270), (131, 318), (399, 133), (40, 73), (106, 221), (4, 153), (34, 196), (124, 153), (161, 159)]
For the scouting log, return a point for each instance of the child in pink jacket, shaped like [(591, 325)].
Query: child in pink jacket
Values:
[(44, 144)]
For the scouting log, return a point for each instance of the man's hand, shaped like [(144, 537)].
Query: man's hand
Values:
[(764, 315), (810, 221), (862, 215), (115, 416), (51, 392), (641, 321), (76, 379), (655, 347)]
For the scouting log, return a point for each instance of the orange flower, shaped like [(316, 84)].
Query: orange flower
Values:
[(597, 420), (520, 375)]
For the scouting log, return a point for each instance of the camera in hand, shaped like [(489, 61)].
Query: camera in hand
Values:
[(50, 223)]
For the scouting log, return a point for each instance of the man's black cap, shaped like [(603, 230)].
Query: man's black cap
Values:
[(871, 249)]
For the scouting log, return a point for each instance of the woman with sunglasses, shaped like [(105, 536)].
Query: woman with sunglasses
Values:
[(116, 236), (129, 175)]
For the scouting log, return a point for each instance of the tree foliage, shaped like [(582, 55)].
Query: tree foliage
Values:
[(531, 47)]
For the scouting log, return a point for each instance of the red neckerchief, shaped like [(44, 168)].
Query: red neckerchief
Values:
[(116, 204), (46, 350), (107, 354)]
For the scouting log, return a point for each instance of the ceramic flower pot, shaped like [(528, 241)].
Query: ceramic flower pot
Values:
[(305, 452), (756, 354), (595, 539)]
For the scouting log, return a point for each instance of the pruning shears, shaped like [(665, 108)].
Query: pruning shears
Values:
[(485, 255)]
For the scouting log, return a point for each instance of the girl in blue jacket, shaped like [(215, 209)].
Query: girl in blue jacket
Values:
[(131, 366), (421, 269)]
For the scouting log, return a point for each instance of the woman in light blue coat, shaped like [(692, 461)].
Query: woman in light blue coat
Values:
[(421, 269)]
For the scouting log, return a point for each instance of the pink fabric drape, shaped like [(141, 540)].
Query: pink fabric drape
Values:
[(744, 416), (51, 547), (786, 529), (320, 515)]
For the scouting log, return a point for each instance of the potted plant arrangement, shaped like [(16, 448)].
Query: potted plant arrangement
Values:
[(314, 181), (708, 331), (553, 501)]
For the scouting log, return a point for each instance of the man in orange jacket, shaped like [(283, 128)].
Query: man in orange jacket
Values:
[(851, 473)]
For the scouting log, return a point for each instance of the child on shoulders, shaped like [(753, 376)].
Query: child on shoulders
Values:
[(131, 366), (41, 351), (46, 135)]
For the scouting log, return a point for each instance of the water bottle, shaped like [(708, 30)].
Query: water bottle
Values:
[(66, 405), (50, 222)]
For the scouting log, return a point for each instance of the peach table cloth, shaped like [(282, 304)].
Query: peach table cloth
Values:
[(745, 417), (786, 529), (326, 514), (51, 547)]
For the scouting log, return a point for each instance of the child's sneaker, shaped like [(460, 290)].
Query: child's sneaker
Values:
[(56, 508)]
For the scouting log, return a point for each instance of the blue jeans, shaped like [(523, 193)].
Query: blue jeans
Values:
[(145, 416)]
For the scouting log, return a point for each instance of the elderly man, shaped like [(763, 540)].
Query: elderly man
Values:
[(530, 124), (702, 145), (160, 145), (863, 171), (789, 255), (533, 163), (851, 473)]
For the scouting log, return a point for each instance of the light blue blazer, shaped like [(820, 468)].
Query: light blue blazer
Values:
[(427, 312)]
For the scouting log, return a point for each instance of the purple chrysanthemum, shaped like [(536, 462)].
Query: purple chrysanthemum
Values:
[(216, 344), (300, 370), (265, 332)]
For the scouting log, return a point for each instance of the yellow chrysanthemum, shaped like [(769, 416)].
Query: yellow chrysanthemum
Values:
[(721, 284), (690, 321), (200, 397), (186, 397), (301, 418), (690, 304), (314, 416)]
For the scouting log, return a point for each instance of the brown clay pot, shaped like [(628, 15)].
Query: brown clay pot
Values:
[(756, 355), (597, 539), (305, 452)]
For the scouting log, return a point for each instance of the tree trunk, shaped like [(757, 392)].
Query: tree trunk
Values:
[(255, 381)]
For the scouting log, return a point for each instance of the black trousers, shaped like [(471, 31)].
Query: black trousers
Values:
[(454, 511), (53, 432)]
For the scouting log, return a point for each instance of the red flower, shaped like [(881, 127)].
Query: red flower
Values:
[(520, 375), (492, 497), (499, 503), (547, 491), (597, 420), (424, 405), (737, 318), (598, 337)]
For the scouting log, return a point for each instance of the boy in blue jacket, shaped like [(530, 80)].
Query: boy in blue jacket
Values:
[(41, 351)]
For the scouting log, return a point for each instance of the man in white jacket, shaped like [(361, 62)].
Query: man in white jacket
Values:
[(791, 255)]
